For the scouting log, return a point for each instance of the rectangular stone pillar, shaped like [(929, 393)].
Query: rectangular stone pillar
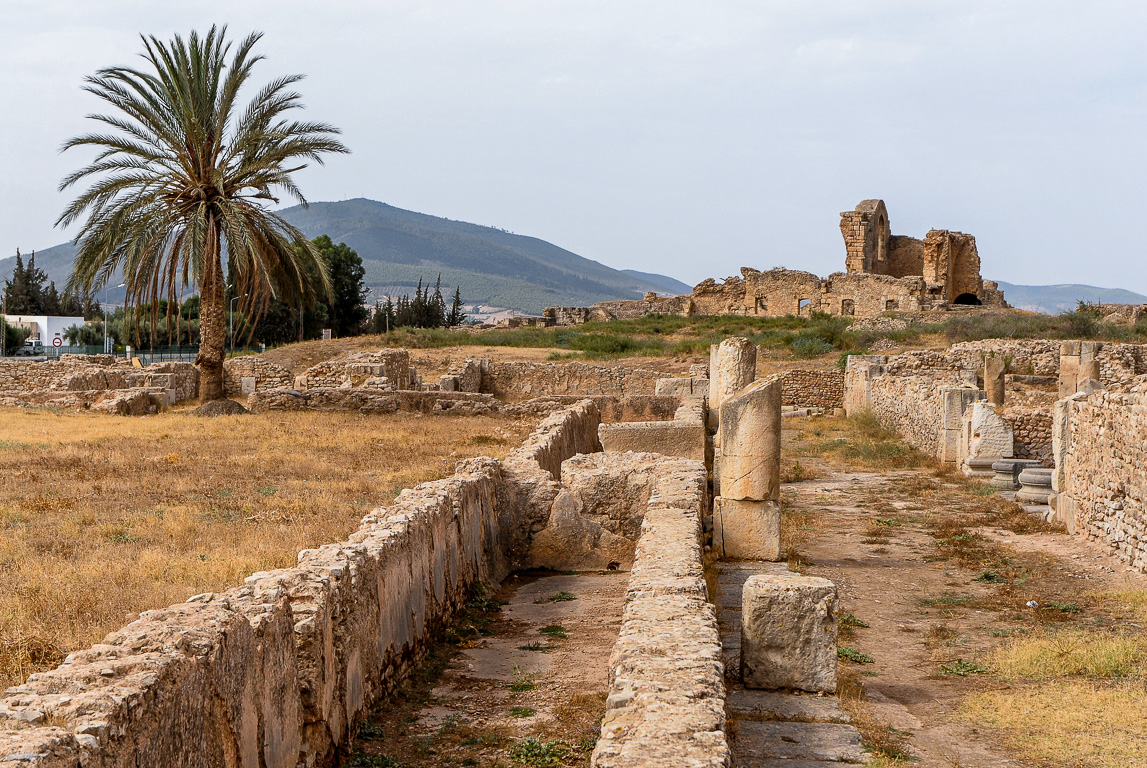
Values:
[(746, 515), (733, 366), (859, 372), (994, 380), (788, 633), (955, 401), (1068, 367)]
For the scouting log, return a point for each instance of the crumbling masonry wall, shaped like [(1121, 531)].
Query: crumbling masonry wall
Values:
[(823, 389), (1102, 472), (277, 672)]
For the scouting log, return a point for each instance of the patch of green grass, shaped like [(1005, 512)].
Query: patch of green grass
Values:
[(522, 712), (556, 631), (560, 597), (962, 668), (847, 653), (371, 731), (538, 647), (990, 577), (362, 760), (523, 681), (848, 620), (536, 753)]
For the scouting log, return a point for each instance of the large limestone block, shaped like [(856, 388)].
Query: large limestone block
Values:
[(990, 434), (751, 442), (788, 633), (572, 541), (733, 367), (994, 380), (955, 401), (747, 530), (685, 439)]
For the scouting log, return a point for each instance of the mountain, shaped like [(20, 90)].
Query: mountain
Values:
[(492, 266), (1053, 299)]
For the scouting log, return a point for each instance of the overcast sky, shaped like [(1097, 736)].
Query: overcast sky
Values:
[(687, 138)]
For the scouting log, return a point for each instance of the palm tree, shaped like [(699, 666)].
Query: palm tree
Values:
[(184, 174)]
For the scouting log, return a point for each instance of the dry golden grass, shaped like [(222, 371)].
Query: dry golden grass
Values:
[(1073, 652), (105, 517), (1069, 722)]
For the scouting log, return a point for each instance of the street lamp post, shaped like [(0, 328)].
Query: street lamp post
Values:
[(107, 338)]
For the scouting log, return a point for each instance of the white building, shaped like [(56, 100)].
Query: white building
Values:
[(44, 327)]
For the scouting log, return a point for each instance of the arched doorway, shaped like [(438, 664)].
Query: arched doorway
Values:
[(968, 299)]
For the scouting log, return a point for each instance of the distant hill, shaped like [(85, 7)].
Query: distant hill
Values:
[(1053, 299), (492, 266)]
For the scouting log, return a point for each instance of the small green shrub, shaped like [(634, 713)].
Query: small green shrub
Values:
[(846, 653)]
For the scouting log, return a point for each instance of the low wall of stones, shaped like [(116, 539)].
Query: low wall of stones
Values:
[(1032, 357), (683, 436), (1031, 433), (666, 703), (1102, 474), (910, 406), (276, 673), (267, 375), (823, 389), (371, 401), (1121, 362), (360, 367), (519, 381)]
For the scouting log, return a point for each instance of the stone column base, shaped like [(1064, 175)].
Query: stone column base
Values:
[(747, 530)]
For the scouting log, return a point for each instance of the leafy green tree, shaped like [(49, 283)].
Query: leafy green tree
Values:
[(24, 292), (184, 171), (345, 307)]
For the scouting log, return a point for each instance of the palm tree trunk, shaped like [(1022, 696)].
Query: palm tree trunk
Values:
[(212, 322)]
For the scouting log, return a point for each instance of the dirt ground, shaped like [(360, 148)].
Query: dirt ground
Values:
[(937, 577), (520, 680)]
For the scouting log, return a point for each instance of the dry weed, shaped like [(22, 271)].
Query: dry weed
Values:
[(105, 517)]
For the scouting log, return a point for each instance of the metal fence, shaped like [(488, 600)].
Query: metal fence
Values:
[(146, 356)]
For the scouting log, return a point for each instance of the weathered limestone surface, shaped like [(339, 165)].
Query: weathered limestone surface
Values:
[(691, 386), (732, 367), (367, 400), (1103, 469), (788, 633), (518, 381), (820, 389), (666, 705), (267, 375), (747, 529), (354, 369), (994, 380), (751, 442), (985, 434), (684, 436)]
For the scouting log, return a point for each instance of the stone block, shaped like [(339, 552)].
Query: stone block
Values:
[(955, 401), (685, 439), (1068, 375), (788, 633), (1069, 348), (994, 380), (1036, 485), (751, 442), (747, 530), (246, 385), (733, 366), (949, 448), (990, 434)]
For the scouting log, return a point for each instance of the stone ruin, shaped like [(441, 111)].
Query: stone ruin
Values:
[(278, 672), (1059, 424), (883, 273), (101, 383)]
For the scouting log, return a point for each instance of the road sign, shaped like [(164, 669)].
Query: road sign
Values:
[(57, 342)]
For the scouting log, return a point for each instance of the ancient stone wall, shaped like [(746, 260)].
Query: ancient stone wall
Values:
[(95, 376), (1033, 357), (1121, 362), (360, 368), (266, 374), (666, 704), (1031, 433), (518, 381), (1103, 471), (276, 673), (823, 389)]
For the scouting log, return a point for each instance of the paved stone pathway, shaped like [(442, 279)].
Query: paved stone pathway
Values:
[(770, 729)]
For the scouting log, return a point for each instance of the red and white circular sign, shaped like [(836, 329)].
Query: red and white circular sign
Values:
[(57, 342)]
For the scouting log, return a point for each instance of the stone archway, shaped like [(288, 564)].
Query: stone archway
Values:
[(969, 299)]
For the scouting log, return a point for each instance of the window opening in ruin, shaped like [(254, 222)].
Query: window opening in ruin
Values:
[(803, 306), (762, 305), (847, 307), (891, 305), (970, 299)]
